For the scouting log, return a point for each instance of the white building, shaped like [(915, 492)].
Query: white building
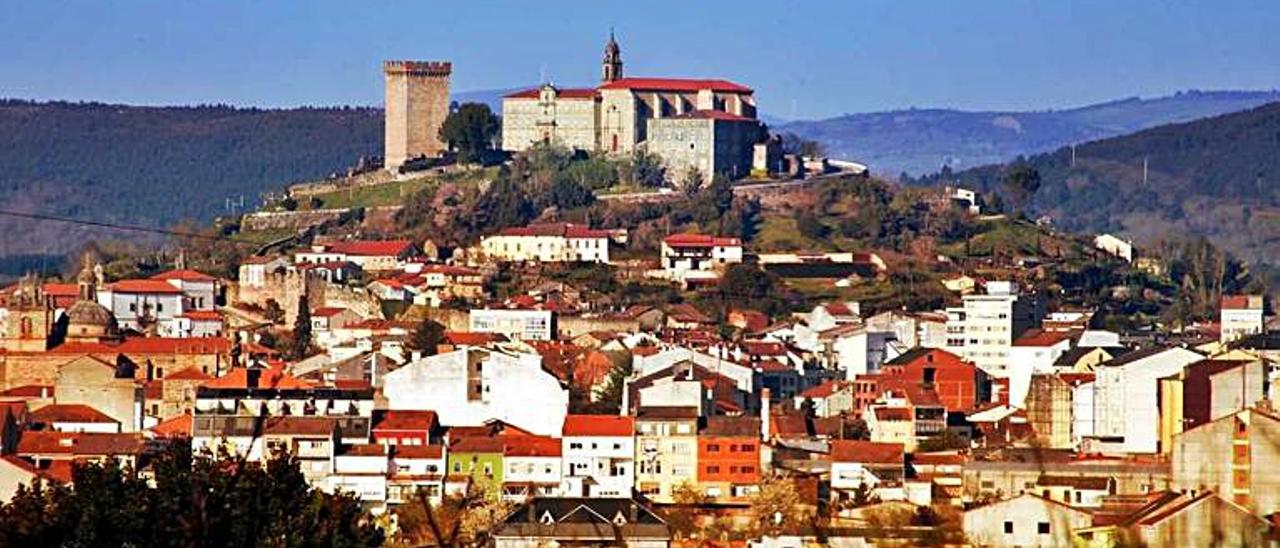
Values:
[(254, 270), (1126, 406), (550, 243), (471, 386), (982, 331), (1241, 315), (371, 255), (1024, 520), (361, 470), (693, 256), (1114, 245), (1032, 354), (531, 467), (199, 290), (138, 304), (598, 455), (531, 325)]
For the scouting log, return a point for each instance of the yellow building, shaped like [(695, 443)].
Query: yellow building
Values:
[(666, 450)]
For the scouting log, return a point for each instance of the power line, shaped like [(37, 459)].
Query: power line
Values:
[(118, 226)]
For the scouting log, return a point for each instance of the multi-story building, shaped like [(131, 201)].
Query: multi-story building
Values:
[(982, 331), (695, 256), (515, 323), (144, 305), (1240, 316), (865, 465), (707, 124), (199, 290), (599, 455), (729, 467), (472, 386), (1127, 404), (1051, 407), (666, 451), (532, 467), (1234, 456), (1035, 352), (550, 243), (371, 255)]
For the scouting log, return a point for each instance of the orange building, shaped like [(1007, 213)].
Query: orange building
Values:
[(729, 458), (959, 384)]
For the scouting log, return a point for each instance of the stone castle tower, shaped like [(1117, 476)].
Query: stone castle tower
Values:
[(611, 68), (29, 320), (417, 104)]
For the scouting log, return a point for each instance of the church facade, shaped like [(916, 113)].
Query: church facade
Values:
[(707, 124)]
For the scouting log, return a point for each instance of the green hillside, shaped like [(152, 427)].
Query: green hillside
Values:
[(1217, 177)]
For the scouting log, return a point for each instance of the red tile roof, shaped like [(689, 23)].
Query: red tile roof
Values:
[(599, 425), (150, 345), (61, 290), (185, 275), (1241, 302), (372, 248), (699, 240), (69, 412), (823, 390), (45, 442), (531, 446), (866, 452), (327, 311), (400, 419), (188, 374), (144, 286), (1036, 337), (203, 315), (676, 84), (893, 413), (566, 93), (273, 377), (471, 338), (28, 391), (175, 427), (764, 348)]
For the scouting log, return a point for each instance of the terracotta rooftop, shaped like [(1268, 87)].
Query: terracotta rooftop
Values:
[(598, 425), (731, 427), (1037, 337), (175, 427), (144, 286), (699, 240), (566, 93), (185, 275), (79, 443), (371, 248), (69, 412), (531, 446), (867, 452), (417, 451), (401, 419), (676, 84)]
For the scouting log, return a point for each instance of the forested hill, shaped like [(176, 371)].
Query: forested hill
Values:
[(921, 141), (155, 166), (1218, 177)]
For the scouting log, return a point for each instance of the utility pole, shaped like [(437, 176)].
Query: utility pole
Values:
[(1144, 170), (1073, 155)]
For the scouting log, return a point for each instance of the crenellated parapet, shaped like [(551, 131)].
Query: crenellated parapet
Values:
[(418, 68)]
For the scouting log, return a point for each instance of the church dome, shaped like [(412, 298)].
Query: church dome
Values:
[(88, 319)]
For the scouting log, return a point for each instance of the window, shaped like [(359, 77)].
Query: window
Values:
[(713, 448), (1008, 527), (748, 447), (1042, 528), (713, 469)]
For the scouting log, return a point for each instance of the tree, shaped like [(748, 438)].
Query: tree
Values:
[(465, 518), (777, 507), (811, 227), (1021, 182), (691, 182), (470, 131), (795, 144), (643, 170), (503, 204), (427, 337), (302, 329), (193, 500), (273, 312)]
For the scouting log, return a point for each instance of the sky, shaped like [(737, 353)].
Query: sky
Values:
[(805, 59)]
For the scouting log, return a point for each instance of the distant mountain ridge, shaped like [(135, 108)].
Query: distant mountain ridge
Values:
[(1216, 177), (919, 141)]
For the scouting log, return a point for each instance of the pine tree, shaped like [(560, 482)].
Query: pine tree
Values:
[(302, 329)]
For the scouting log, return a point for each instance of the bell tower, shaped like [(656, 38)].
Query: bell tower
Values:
[(29, 319), (611, 68)]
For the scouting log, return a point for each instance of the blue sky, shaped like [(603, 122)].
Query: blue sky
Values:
[(807, 59)]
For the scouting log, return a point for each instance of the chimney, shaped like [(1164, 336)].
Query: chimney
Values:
[(765, 396)]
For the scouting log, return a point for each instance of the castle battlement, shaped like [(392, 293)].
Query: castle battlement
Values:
[(418, 68)]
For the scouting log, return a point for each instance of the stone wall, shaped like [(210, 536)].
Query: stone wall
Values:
[(273, 220)]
